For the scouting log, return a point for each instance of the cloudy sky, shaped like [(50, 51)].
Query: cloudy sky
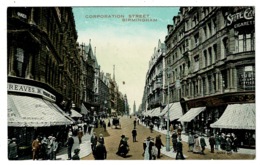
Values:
[(128, 45)]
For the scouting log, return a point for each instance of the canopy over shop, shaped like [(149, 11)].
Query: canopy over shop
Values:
[(25, 111), (237, 116)]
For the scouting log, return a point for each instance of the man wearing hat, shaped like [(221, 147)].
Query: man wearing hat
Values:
[(13, 155), (202, 144), (100, 152), (179, 154), (174, 140), (36, 148), (196, 148), (70, 143), (55, 146), (93, 141)]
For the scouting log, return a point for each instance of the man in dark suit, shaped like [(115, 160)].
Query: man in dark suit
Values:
[(100, 153), (158, 144), (134, 134), (70, 143), (202, 144)]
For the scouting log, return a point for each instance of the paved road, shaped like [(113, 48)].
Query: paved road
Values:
[(136, 148)]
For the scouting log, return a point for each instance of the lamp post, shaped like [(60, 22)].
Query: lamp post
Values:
[(168, 117)]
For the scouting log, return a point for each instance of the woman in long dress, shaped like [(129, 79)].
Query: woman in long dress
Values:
[(196, 148)]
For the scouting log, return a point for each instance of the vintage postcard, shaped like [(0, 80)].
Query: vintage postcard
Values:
[(131, 83)]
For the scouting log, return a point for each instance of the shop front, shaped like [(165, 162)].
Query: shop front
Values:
[(32, 111)]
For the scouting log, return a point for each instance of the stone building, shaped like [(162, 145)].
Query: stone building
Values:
[(211, 56), (43, 69)]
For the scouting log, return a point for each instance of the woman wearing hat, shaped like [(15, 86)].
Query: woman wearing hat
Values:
[(196, 148), (76, 154), (123, 147)]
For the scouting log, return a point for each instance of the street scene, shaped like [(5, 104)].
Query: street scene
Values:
[(131, 83)]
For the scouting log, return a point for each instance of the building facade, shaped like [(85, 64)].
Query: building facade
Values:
[(211, 57), (43, 65), (154, 84)]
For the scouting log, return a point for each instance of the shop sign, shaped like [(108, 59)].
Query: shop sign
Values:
[(242, 18), (13, 87)]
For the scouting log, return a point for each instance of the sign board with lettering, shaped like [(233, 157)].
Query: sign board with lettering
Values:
[(13, 87)]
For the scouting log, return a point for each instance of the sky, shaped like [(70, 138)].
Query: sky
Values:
[(127, 44)]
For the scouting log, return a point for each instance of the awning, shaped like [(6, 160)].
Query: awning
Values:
[(84, 110), (191, 114), (174, 113), (156, 112), (75, 113), (237, 116), (25, 111)]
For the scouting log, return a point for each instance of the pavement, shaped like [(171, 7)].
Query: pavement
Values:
[(185, 139), (85, 148)]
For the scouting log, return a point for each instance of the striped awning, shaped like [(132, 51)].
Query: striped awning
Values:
[(25, 111), (237, 116), (191, 114), (155, 112), (175, 111), (75, 113)]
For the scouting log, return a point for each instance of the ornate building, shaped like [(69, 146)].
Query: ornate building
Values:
[(43, 65), (211, 56)]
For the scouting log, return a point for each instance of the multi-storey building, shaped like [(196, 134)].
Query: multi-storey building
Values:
[(88, 78), (43, 69), (154, 84), (211, 58), (103, 93)]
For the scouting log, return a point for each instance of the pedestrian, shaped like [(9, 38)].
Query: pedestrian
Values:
[(135, 123), (104, 126), (202, 144), (93, 141), (100, 152), (235, 143), (85, 127), (123, 147), (134, 134), (223, 141), (179, 154), (80, 134), (212, 143), (55, 146), (217, 141), (171, 128), (174, 140), (191, 142), (50, 148), (108, 124), (13, 154), (76, 154), (101, 138), (151, 127), (44, 148), (70, 143), (36, 146), (158, 144), (154, 151), (196, 148), (228, 144), (148, 148), (89, 128)]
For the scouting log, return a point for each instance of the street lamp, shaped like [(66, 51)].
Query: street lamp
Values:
[(168, 117)]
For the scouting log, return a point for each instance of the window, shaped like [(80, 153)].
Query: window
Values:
[(19, 61), (214, 23), (196, 63), (196, 39), (210, 56), (205, 58), (246, 42), (209, 27)]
